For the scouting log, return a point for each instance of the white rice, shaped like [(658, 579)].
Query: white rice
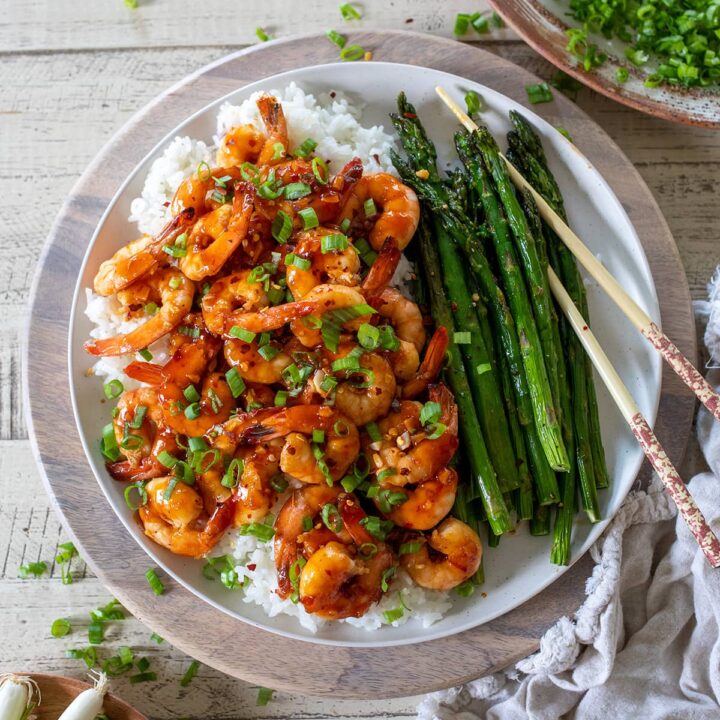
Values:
[(334, 123)]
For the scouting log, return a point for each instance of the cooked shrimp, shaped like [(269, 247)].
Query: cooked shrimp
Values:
[(217, 235), (431, 365), (307, 502), (141, 445), (404, 361), (251, 365), (337, 451), (427, 504), (404, 315), (382, 270), (368, 392), (173, 292), (255, 494), (196, 193), (341, 580), (170, 522), (339, 267), (239, 145), (233, 301), (399, 210), (455, 557), (405, 446), (275, 147), (139, 257), (324, 299)]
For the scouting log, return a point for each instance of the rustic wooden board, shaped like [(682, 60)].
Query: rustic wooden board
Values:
[(57, 692), (194, 627)]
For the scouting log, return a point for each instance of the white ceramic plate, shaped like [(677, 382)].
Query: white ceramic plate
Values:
[(520, 567)]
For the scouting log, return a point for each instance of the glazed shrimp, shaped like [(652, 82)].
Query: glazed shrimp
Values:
[(176, 521), (339, 267), (233, 301), (252, 366), (405, 446), (141, 445), (174, 294), (196, 193), (290, 523), (255, 494), (431, 365), (339, 447), (240, 144), (382, 270), (399, 210), (340, 580), (323, 299), (139, 257), (277, 135), (457, 552), (427, 504), (217, 234), (404, 315), (368, 392)]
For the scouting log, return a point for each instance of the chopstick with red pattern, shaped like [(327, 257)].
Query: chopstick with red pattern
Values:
[(672, 355), (705, 537)]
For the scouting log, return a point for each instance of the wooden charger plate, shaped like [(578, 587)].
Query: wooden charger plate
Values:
[(57, 692), (195, 627)]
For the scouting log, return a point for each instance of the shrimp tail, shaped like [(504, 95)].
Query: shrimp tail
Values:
[(147, 469), (349, 174), (431, 365), (146, 372), (383, 269), (175, 227)]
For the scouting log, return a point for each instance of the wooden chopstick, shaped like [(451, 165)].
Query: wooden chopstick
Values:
[(687, 372), (705, 537)]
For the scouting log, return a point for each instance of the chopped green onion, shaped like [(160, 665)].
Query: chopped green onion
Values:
[(430, 412), (192, 411), (306, 148), (242, 334), (336, 37), (366, 253), (143, 664), (140, 487), (132, 4), (318, 436), (462, 338), (87, 655), (331, 243), (142, 677), (278, 151), (154, 581), (191, 394), (472, 101), (60, 628), (145, 354), (157, 639), (377, 527), (249, 172), (176, 251), (262, 532), (190, 673), (279, 484), (281, 397), (264, 696), (636, 56), (483, 368), (109, 446), (388, 339), (373, 431), (328, 384), (307, 523), (387, 575), (539, 93), (368, 550), (479, 23), (297, 190), (203, 171), (320, 170), (115, 667), (175, 282), (409, 548), (351, 53), (349, 12), (261, 34), (34, 568), (564, 133), (113, 389), (233, 474), (319, 456), (235, 382), (345, 225), (395, 614), (331, 518), (369, 208), (385, 474), (436, 430), (622, 74), (462, 23), (309, 218), (68, 551), (497, 20), (281, 227), (387, 499), (299, 262), (268, 352), (96, 633)]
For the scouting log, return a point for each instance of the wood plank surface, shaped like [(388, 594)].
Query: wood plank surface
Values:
[(72, 74)]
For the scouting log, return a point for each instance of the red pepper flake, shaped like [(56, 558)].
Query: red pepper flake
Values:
[(410, 116), (454, 306), (251, 566), (483, 594), (408, 21), (333, 94), (166, 204), (585, 327)]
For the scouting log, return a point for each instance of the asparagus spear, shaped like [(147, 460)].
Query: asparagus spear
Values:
[(540, 523), (529, 154), (478, 365), (484, 480), (537, 370), (422, 154)]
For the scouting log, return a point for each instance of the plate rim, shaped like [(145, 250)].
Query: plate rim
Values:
[(282, 79)]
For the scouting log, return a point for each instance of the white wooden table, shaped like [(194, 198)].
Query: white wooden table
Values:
[(71, 74)]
